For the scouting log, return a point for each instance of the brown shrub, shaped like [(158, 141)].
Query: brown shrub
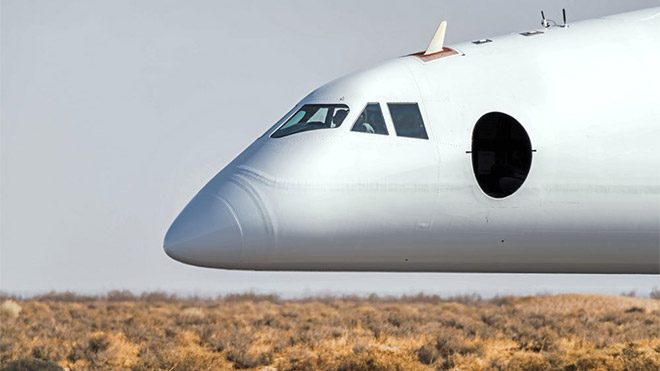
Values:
[(159, 331), (535, 340), (655, 294), (120, 295), (526, 361), (444, 348), (248, 358), (359, 362), (634, 358), (9, 310), (28, 364)]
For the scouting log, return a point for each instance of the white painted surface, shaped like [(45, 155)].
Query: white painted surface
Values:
[(333, 199)]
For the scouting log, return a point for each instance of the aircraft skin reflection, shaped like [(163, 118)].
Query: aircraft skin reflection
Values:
[(523, 153)]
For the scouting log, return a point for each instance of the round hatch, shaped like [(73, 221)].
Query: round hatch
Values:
[(501, 154)]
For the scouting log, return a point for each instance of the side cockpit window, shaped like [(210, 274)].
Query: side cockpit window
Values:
[(407, 120), (313, 117), (371, 120)]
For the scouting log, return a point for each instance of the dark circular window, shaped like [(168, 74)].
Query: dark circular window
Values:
[(501, 154)]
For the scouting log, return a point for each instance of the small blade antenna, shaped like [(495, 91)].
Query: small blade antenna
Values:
[(438, 42), (563, 12)]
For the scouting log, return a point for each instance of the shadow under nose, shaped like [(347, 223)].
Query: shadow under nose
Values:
[(206, 233)]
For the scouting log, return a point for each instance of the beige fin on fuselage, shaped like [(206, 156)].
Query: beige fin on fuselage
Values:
[(438, 42)]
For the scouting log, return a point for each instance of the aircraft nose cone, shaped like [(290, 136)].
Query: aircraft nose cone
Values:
[(207, 232)]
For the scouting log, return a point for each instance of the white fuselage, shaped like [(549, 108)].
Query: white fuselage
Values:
[(588, 97)]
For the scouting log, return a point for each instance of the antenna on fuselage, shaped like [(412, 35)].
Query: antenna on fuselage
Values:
[(438, 42), (544, 21), (547, 23)]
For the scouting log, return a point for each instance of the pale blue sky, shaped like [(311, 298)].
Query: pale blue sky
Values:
[(115, 113)]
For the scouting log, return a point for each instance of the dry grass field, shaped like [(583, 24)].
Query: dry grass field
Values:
[(156, 331)]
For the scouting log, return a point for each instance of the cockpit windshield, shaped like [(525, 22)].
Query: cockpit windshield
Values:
[(312, 117)]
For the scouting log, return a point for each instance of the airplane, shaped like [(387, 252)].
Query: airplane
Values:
[(534, 152)]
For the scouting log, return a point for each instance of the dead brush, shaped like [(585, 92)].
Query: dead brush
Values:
[(445, 346), (160, 331)]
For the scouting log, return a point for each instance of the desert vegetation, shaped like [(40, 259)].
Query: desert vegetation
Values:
[(158, 331)]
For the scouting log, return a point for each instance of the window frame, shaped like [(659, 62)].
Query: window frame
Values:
[(273, 128), (383, 114), (421, 116), (299, 107)]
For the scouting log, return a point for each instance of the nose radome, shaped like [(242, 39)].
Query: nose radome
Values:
[(206, 233)]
